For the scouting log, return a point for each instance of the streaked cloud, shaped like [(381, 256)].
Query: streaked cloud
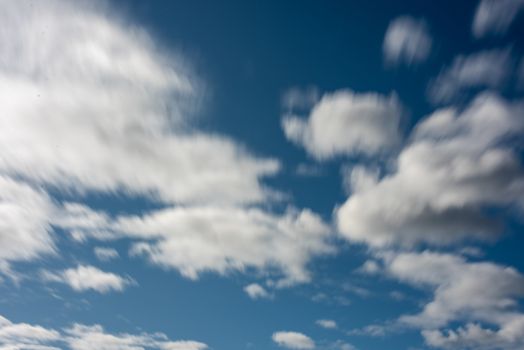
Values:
[(494, 17), (92, 82), (23, 336), (407, 41), (106, 254), (482, 70), (84, 278)]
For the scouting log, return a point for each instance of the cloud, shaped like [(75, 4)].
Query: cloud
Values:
[(84, 278), (485, 69), (256, 291), (25, 232), (23, 336), (347, 123), (81, 337), (495, 16), (370, 267), (457, 164), (109, 111), (328, 324), (299, 99), (106, 254), (358, 178), (407, 41), (484, 295), (293, 340), (199, 239)]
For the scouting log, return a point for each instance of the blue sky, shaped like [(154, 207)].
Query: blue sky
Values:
[(332, 175)]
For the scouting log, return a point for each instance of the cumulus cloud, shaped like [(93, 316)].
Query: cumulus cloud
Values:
[(347, 123), (495, 16), (485, 69), (457, 164), (256, 291), (23, 336), (106, 254), (407, 41), (84, 278), (109, 110), (328, 324), (484, 295), (293, 340)]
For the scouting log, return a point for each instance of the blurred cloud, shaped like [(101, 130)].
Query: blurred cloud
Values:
[(494, 17), (347, 123), (407, 41), (456, 164), (485, 69), (293, 340)]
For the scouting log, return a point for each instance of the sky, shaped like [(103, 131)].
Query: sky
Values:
[(329, 175)]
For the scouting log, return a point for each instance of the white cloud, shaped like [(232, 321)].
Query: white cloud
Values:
[(109, 110), (369, 267), (106, 254), (293, 340), (407, 40), (482, 294), (347, 123), (24, 227), (194, 240), (84, 278), (456, 164), (358, 178), (81, 337), (256, 291), (495, 16), (22, 336), (25, 336), (199, 239), (328, 324), (485, 69)]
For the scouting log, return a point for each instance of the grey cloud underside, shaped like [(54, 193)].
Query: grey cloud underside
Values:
[(457, 164)]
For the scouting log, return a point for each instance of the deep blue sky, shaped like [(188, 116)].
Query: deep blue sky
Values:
[(247, 55)]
